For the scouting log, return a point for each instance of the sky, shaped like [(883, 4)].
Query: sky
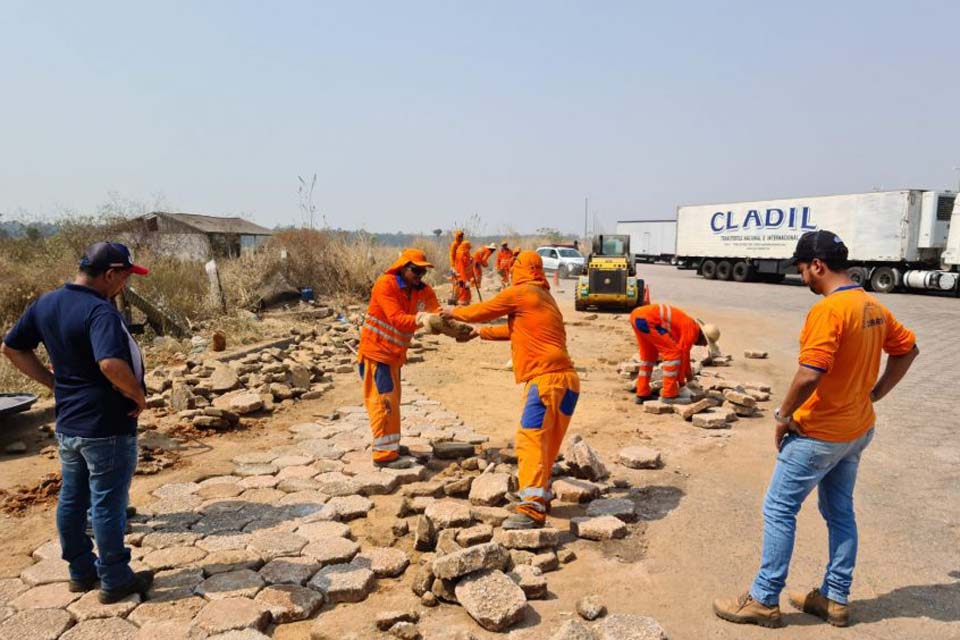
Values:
[(503, 115)]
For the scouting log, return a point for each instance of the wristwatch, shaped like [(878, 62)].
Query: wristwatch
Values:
[(781, 419)]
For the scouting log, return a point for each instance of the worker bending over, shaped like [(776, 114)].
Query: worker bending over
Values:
[(464, 268), (398, 305), (538, 344), (665, 331), (481, 260), (504, 262)]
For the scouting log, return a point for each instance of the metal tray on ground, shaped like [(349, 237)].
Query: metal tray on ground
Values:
[(15, 402)]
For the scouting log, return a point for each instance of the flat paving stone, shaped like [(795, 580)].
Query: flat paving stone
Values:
[(296, 485), (351, 507), (262, 496), (528, 538), (88, 607), (243, 583), (289, 603), (167, 539), (244, 634), (247, 470), (332, 551), (293, 461), (492, 599), (36, 624), (621, 626), (55, 595), (256, 457), (317, 531), (222, 506), (272, 545), (218, 480), (598, 528), (173, 504), (10, 588), (181, 609), (45, 572), (259, 482), (385, 562), (231, 560), (102, 629), (218, 524), (219, 616), (446, 514), (169, 630), (299, 471), (174, 583), (289, 570), (176, 489), (174, 557), (224, 542), (48, 551), (343, 583), (225, 490), (622, 508)]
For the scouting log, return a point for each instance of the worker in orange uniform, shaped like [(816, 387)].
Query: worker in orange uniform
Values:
[(504, 262), (481, 261), (464, 262), (454, 246), (665, 331), (398, 305), (538, 344)]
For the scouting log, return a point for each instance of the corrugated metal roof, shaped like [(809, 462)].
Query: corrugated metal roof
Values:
[(215, 224)]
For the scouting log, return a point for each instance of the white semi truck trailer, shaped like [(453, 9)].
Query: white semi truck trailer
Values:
[(909, 238), (650, 240)]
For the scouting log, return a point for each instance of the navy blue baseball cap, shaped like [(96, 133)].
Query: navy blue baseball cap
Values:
[(111, 255), (822, 244)]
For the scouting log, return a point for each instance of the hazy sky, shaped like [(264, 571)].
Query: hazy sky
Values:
[(417, 115)]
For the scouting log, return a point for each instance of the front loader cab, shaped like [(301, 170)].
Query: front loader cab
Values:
[(614, 246), (610, 281)]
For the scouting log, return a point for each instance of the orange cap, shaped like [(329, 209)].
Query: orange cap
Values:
[(528, 267), (412, 256)]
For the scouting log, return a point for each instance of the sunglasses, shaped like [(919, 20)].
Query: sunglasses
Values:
[(418, 271)]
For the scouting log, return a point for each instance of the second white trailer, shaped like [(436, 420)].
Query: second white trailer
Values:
[(650, 240)]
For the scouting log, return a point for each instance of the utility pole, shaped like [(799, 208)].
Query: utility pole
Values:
[(957, 169), (586, 206)]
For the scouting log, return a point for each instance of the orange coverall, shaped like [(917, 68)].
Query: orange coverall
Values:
[(481, 260), (667, 332), (464, 273), (387, 329), (538, 344), (457, 240), (504, 262)]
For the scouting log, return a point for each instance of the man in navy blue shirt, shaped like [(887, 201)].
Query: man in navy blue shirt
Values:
[(97, 383)]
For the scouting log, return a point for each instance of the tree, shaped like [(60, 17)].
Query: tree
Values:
[(437, 232), (307, 208)]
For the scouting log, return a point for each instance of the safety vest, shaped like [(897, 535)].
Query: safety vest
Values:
[(391, 318)]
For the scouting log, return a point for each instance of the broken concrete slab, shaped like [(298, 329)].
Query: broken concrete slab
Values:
[(385, 562), (289, 603), (447, 513), (591, 607), (531, 580), (622, 508), (489, 489), (492, 599), (528, 538), (343, 583), (598, 528), (622, 626), (489, 555), (640, 457)]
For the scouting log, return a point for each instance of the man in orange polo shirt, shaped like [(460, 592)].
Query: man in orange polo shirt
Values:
[(398, 306), (823, 425), (538, 344)]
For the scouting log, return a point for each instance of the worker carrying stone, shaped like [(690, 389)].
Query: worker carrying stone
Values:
[(538, 344), (504, 262), (481, 261), (454, 246), (664, 331), (464, 267), (399, 304)]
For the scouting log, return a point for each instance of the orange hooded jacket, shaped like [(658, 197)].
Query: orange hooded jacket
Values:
[(391, 318), (504, 258), (538, 341), (457, 240), (464, 263), (482, 257)]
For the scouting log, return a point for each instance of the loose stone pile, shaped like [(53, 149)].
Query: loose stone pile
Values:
[(709, 401), (272, 543)]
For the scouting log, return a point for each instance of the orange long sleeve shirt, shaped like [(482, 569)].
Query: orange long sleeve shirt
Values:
[(538, 341)]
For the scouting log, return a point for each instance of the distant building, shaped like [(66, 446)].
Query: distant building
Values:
[(193, 236)]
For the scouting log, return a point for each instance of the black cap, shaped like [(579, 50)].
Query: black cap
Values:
[(822, 244), (110, 255)]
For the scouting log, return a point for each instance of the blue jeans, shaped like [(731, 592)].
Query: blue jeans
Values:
[(96, 476), (805, 463)]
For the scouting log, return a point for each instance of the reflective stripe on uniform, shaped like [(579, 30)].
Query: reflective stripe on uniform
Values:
[(536, 492), (671, 363), (389, 327), (393, 437), (386, 336), (669, 374), (647, 363), (387, 447)]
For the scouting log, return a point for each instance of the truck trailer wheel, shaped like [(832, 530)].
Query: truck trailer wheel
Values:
[(884, 280), (708, 269), (724, 270), (742, 271), (859, 275)]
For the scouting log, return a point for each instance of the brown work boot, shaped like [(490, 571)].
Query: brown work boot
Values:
[(745, 610), (817, 604)]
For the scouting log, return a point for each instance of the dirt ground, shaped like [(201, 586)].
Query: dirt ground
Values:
[(701, 525)]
